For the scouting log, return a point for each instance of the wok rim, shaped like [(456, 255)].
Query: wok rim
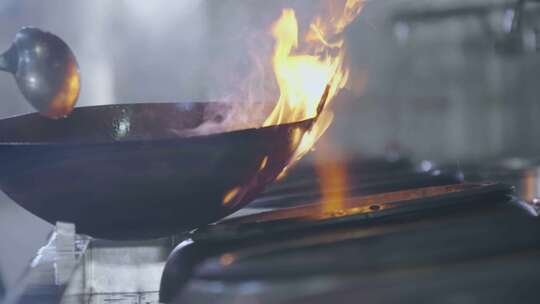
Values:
[(300, 123)]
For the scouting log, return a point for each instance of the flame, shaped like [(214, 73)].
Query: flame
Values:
[(310, 71), (309, 74), (332, 176), (531, 185)]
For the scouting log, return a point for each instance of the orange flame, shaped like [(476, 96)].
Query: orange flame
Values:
[(229, 196), (305, 69), (332, 175), (308, 73)]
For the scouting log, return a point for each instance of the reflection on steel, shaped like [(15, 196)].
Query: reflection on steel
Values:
[(517, 38), (52, 268), (77, 269)]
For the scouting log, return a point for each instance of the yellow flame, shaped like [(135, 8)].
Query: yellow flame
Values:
[(309, 72), (333, 176), (339, 15), (230, 195), (305, 69)]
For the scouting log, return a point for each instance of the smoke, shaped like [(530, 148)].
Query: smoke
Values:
[(185, 51), (242, 70)]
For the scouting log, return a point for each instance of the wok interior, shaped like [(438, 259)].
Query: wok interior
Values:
[(121, 122)]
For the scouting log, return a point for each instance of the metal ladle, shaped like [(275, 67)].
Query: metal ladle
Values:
[(45, 70)]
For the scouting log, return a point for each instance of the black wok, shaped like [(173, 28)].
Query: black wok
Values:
[(138, 170)]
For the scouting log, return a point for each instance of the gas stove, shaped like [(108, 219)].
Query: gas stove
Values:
[(404, 233)]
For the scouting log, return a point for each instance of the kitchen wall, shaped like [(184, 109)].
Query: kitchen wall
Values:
[(438, 88), (433, 89)]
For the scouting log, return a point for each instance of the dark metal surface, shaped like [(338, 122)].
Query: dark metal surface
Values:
[(250, 248), (484, 252), (364, 177), (45, 69), (139, 170)]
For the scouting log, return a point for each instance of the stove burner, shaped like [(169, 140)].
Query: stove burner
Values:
[(406, 234), (364, 178), (354, 210), (299, 241)]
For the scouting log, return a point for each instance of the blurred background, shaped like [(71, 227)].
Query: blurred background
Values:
[(444, 80)]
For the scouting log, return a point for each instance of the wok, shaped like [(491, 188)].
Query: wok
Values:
[(139, 170)]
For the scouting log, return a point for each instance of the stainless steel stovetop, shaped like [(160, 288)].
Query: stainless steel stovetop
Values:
[(407, 233)]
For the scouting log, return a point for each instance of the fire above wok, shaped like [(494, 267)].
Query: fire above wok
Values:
[(136, 171), (146, 170)]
